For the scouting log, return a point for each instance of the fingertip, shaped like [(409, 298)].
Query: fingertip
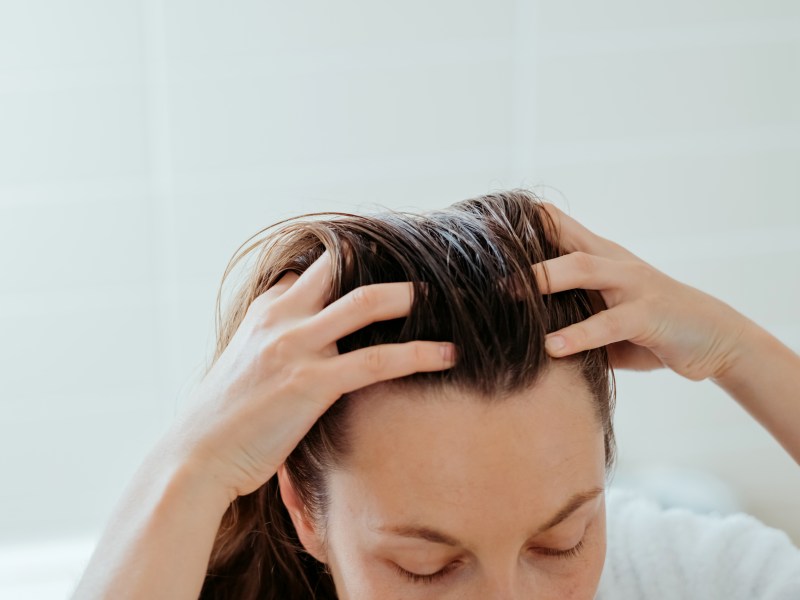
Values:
[(555, 344), (448, 351)]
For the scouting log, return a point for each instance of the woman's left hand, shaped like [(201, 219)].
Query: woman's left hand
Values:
[(652, 320)]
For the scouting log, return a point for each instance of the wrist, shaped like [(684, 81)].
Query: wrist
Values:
[(751, 342), (187, 477), (161, 536)]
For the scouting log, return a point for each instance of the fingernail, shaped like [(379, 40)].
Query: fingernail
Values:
[(448, 352), (555, 343)]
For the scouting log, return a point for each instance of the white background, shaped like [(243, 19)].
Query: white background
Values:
[(141, 141)]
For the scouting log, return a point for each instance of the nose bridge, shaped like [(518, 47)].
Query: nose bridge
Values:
[(503, 581), (503, 589)]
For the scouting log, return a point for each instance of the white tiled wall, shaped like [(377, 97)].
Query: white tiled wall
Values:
[(142, 141)]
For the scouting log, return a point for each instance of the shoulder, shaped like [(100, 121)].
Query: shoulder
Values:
[(657, 552)]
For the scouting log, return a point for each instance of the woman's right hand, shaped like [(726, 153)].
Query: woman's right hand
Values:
[(281, 371)]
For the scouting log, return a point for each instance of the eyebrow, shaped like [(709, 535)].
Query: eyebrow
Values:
[(432, 535)]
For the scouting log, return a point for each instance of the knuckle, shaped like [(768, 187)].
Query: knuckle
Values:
[(642, 271), (256, 306), (579, 335), (267, 352), (610, 324), (419, 353), (375, 359), (583, 261), (363, 298), (299, 374), (296, 378), (262, 309), (281, 347)]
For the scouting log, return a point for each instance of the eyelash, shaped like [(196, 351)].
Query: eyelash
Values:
[(416, 578), (570, 553), (426, 578)]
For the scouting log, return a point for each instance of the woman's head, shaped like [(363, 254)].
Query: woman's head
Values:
[(479, 456)]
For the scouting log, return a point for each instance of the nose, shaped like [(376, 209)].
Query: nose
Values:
[(507, 581), (501, 586), (505, 592)]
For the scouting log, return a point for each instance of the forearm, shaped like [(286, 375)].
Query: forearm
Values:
[(159, 542), (764, 378)]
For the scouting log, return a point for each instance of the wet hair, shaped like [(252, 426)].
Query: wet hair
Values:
[(473, 285)]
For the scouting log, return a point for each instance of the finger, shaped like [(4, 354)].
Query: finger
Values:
[(574, 236), (616, 324), (624, 355), (579, 270), (313, 286), (365, 366), (280, 286), (358, 308)]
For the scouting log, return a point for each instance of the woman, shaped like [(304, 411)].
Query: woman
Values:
[(420, 406)]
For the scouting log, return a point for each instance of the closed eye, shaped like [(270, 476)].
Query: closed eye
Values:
[(429, 578), (447, 569), (569, 553)]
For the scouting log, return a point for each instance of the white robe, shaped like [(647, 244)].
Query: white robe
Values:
[(655, 553)]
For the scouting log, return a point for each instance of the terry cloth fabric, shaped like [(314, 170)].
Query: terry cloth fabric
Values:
[(656, 553)]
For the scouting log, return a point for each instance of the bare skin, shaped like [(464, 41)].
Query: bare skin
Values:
[(654, 321), (489, 476), (281, 372)]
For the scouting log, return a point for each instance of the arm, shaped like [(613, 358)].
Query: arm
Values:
[(764, 377), (159, 541), (278, 373)]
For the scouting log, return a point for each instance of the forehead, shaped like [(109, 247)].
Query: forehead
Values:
[(420, 456)]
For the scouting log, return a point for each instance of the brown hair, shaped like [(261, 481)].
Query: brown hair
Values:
[(475, 259)]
